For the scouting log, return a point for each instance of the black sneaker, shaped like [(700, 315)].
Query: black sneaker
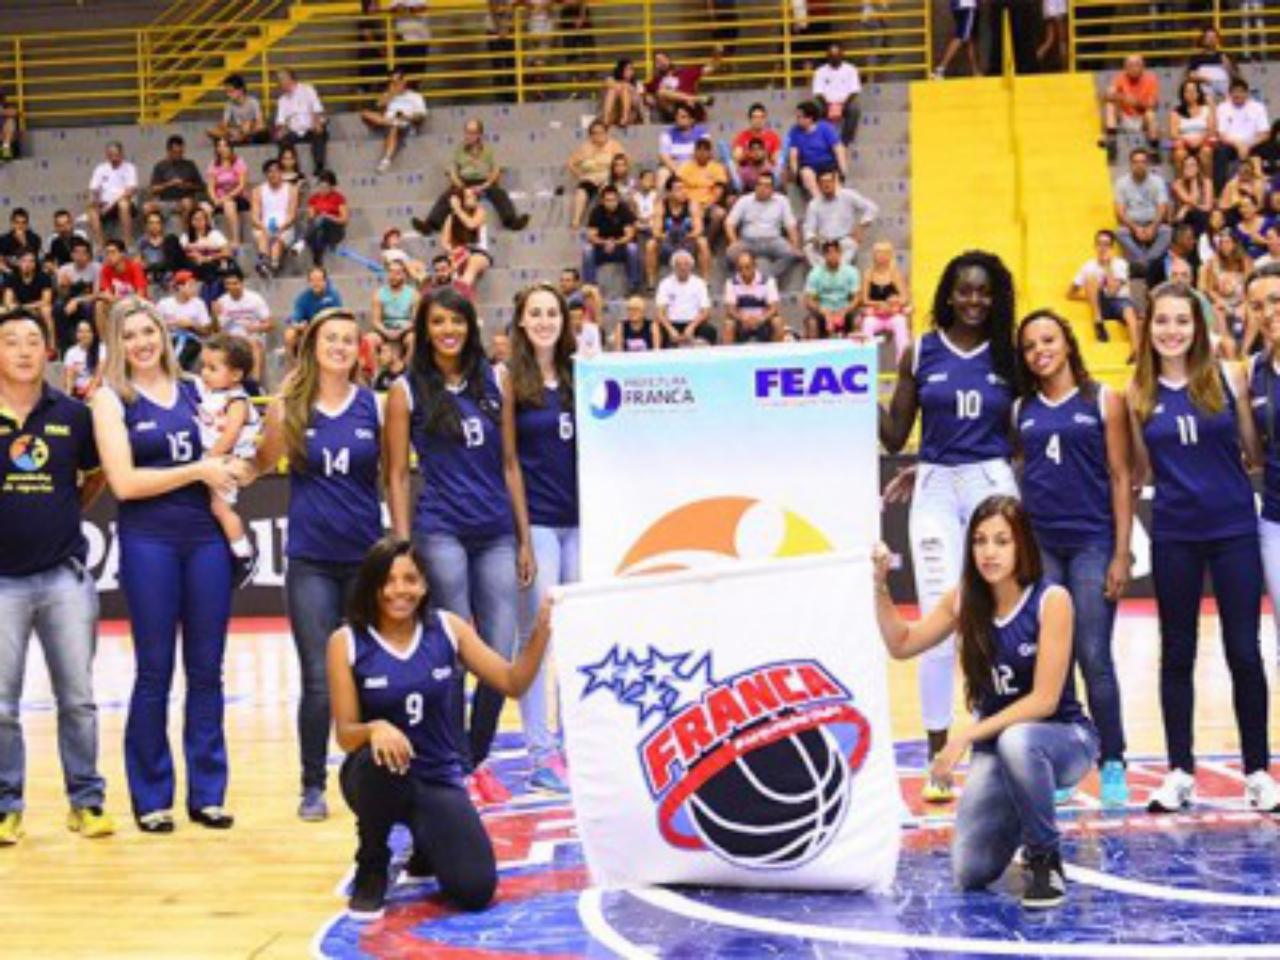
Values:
[(1100, 330), (1046, 885), (520, 222), (417, 869), (368, 894), (422, 226), (243, 568)]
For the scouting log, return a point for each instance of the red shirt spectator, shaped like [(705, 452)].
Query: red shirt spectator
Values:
[(328, 203), (772, 142), (1135, 89), (121, 276)]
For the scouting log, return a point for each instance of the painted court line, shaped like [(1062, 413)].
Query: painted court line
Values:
[(1160, 891)]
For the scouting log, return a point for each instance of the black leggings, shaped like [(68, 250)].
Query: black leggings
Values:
[(445, 826)]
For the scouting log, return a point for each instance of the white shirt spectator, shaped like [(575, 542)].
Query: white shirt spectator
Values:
[(70, 275), (407, 104), (110, 182), (836, 218), (237, 316), (683, 300), (76, 359), (761, 220), (590, 343), (1243, 124), (411, 20), (1117, 272), (836, 84), (298, 110), (194, 311), (753, 297)]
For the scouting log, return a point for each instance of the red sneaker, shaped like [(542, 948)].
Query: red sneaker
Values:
[(489, 786), (473, 792)]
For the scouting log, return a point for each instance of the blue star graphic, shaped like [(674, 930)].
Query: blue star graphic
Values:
[(631, 671), (663, 668), (649, 698), (603, 675), (688, 684)]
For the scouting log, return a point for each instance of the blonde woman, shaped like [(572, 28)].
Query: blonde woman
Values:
[(175, 564), (885, 298)]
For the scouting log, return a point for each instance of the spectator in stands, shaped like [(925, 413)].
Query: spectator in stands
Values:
[(1210, 65), (465, 237), (1054, 15), (1245, 183), (399, 111), (964, 18), (176, 183), (1193, 195), (836, 87), (242, 119), (82, 362), (1267, 154), (623, 103), (611, 238), (589, 166), (329, 215), (120, 277), (413, 33), (837, 213), (64, 232), (77, 291), (620, 177), (1142, 208), (111, 190), (291, 173), (391, 312), (207, 252), (1103, 283), (637, 331), (229, 185), (813, 148), (29, 288), (273, 214), (442, 274), (474, 165), (1185, 246), (242, 312), (1250, 226), (186, 316), (300, 117), (17, 241), (1224, 344), (643, 200), (885, 299), (753, 163), (684, 305), (392, 248), (159, 252), (391, 365), (1242, 125), (1222, 279), (10, 129), (1272, 255), (831, 295), (319, 294), (1131, 102), (677, 144), (762, 223), (677, 225), (1193, 126), (751, 313), (1207, 242), (757, 129), (671, 86), (707, 183)]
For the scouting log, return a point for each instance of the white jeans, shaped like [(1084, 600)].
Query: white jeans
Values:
[(943, 502), (1269, 534)]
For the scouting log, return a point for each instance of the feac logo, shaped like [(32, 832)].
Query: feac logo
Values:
[(799, 382), (756, 768)]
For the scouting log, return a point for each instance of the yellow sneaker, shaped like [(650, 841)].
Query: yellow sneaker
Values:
[(90, 822), (937, 791), (10, 828)]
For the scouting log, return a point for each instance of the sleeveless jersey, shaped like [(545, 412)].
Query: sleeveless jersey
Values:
[(1264, 397), (412, 691), (334, 512), (1017, 640), (161, 437), (964, 403), (546, 439), (1202, 490), (1066, 484), (634, 340), (464, 490), (397, 307)]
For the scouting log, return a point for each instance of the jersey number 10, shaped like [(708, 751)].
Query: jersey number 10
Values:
[(968, 404)]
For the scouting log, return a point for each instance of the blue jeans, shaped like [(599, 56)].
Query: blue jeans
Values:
[(316, 596), (1083, 571), (1177, 571), (626, 253), (475, 579), (1008, 797), (61, 606), (556, 550), (172, 584)]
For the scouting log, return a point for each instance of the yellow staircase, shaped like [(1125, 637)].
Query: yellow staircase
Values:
[(1012, 165)]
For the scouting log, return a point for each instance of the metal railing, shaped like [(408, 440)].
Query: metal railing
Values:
[(145, 74), (1166, 32)]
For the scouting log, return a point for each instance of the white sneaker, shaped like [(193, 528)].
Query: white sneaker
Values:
[(1176, 792), (1262, 792), (384, 164)]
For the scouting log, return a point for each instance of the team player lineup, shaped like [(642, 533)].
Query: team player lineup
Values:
[(1005, 409)]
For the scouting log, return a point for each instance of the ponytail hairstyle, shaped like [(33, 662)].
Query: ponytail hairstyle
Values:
[(526, 376), (299, 391), (976, 616), (1204, 378)]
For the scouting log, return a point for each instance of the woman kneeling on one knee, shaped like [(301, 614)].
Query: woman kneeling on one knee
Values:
[(391, 677), (1030, 734)]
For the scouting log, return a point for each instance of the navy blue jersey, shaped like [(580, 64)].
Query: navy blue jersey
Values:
[(1264, 396), (334, 512), (1202, 490), (412, 691), (546, 440), (162, 437), (41, 460), (964, 403), (1066, 483), (464, 489), (1017, 640)]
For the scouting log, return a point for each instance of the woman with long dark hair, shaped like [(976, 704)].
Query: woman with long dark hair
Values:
[(542, 347), (330, 429), (1030, 734), (959, 378), (1192, 429), (1262, 300), (471, 523), (1073, 438), (392, 674)]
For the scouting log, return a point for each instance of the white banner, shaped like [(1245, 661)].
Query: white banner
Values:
[(731, 726), (691, 457)]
